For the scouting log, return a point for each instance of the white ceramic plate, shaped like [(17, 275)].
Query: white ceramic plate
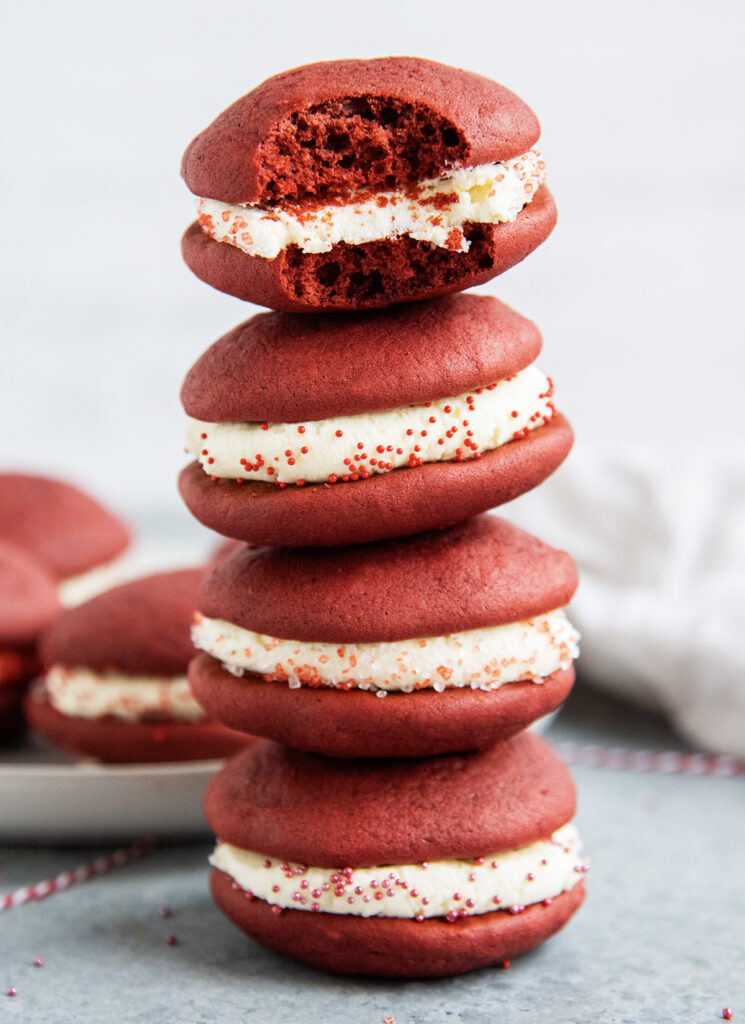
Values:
[(47, 799)]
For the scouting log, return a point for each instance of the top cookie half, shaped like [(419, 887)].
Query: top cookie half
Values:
[(358, 183)]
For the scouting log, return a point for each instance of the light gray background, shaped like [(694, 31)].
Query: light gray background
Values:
[(638, 292)]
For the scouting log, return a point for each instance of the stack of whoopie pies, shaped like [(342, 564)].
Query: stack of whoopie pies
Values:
[(388, 639)]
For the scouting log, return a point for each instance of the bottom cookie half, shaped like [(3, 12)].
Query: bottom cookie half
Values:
[(118, 742), (357, 723), (394, 947)]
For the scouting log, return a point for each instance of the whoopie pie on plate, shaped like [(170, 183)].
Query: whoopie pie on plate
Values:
[(28, 604), (116, 687), (353, 184), (415, 868), (71, 533), (345, 428), (449, 640)]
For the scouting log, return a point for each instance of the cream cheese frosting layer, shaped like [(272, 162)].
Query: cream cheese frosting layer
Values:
[(451, 889), (433, 211), (345, 448), (74, 590), (482, 659), (81, 693)]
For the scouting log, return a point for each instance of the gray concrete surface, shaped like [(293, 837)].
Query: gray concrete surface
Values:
[(661, 937)]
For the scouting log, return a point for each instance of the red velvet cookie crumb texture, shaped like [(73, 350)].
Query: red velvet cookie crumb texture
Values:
[(325, 130), (371, 275)]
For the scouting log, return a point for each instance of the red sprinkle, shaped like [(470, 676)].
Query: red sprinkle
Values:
[(38, 961), (172, 940), (727, 1013), (339, 433), (264, 426), (301, 429), (12, 991)]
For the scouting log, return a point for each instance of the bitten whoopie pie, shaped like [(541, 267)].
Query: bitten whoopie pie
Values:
[(354, 184), (28, 604), (344, 428), (74, 536), (415, 868), (445, 641), (116, 687)]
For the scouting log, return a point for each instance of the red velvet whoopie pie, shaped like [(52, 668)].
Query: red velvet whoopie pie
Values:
[(28, 604), (115, 686), (414, 868), (446, 641), (355, 184), (347, 428)]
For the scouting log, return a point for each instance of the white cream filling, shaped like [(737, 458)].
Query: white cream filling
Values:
[(82, 693), (482, 659), (74, 590), (345, 448), (451, 889), (434, 211)]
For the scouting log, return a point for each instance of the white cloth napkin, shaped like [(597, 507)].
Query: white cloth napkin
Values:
[(659, 538)]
